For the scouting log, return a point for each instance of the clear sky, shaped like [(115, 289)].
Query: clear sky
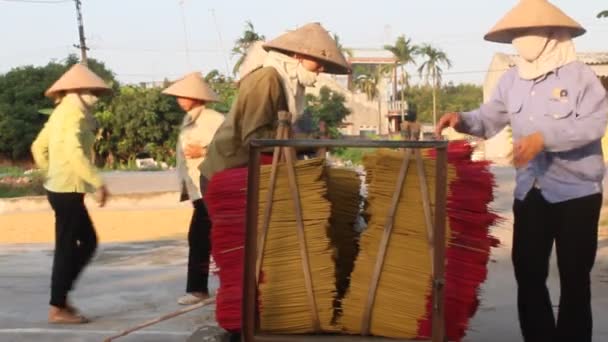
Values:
[(145, 40)]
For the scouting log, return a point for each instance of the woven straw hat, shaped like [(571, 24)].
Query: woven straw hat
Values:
[(532, 14), (314, 41), (192, 86), (78, 77)]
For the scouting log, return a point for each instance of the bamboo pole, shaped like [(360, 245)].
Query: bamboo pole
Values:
[(161, 319)]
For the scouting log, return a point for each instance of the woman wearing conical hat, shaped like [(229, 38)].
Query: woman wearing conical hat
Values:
[(558, 110), (197, 130), (292, 63), (63, 149)]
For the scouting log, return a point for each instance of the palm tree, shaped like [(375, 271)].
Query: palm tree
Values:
[(345, 51), (212, 75), (369, 83), (242, 44), (405, 52), (432, 71), (602, 14)]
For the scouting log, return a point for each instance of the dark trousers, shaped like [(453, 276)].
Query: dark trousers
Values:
[(199, 241), (75, 243), (573, 226)]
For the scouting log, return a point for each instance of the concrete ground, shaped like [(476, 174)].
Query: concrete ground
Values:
[(127, 284), (140, 267), (496, 319)]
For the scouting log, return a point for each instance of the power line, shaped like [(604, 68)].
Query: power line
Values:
[(183, 15), (152, 50), (219, 33), (48, 2)]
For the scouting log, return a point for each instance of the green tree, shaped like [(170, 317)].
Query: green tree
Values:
[(450, 98), (242, 44), (432, 71), (328, 107), (225, 87), (602, 14), (344, 50), (369, 84), (404, 52), (22, 99), (139, 120)]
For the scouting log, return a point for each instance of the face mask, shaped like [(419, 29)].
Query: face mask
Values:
[(305, 77), (89, 100), (531, 46)]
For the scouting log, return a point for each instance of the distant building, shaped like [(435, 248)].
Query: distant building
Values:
[(380, 116)]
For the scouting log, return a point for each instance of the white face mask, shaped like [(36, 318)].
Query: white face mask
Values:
[(531, 46), (89, 100), (305, 77)]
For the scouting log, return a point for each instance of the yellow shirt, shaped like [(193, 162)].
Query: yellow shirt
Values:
[(63, 149)]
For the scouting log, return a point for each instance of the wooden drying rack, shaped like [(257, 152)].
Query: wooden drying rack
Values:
[(284, 151)]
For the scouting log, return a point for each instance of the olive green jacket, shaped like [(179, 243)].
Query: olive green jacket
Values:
[(254, 115)]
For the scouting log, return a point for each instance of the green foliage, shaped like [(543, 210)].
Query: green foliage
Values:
[(242, 44), (450, 98), (355, 155), (368, 84), (138, 120), (130, 121), (328, 107), (431, 69), (602, 14), (11, 171), (22, 97), (404, 50), (225, 87), (346, 52), (33, 187)]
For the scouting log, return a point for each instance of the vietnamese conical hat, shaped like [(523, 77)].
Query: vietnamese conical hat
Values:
[(314, 41), (532, 14), (78, 77), (192, 86)]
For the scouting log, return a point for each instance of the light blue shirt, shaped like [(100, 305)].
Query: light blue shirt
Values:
[(569, 107)]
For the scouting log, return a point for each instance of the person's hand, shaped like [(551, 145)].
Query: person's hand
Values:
[(101, 195), (447, 120), (193, 151), (527, 148)]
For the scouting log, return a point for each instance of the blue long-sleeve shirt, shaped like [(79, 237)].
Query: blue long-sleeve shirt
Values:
[(569, 107)]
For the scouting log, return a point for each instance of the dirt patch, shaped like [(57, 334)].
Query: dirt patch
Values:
[(111, 225)]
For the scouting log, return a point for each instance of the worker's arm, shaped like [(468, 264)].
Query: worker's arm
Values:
[(40, 149), (491, 117)]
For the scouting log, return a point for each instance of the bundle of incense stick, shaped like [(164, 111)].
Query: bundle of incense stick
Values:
[(226, 199), (402, 306), (285, 305)]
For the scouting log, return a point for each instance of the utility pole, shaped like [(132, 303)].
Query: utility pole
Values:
[(186, 38), (83, 45), (219, 34)]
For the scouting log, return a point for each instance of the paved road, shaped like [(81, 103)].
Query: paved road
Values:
[(126, 285), (129, 182), (130, 283)]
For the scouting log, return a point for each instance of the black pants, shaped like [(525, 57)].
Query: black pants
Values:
[(199, 241), (75, 243), (573, 226)]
